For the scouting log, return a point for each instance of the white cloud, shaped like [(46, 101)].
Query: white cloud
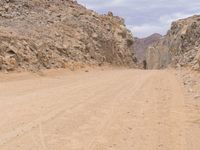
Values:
[(98, 4), (161, 27), (145, 17), (167, 19), (146, 29)]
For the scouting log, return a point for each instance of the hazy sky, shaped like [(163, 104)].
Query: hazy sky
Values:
[(145, 17)]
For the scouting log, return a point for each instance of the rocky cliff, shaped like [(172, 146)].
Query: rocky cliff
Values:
[(141, 45), (182, 43), (43, 34), (157, 56)]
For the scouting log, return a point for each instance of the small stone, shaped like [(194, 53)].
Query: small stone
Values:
[(197, 97), (190, 90)]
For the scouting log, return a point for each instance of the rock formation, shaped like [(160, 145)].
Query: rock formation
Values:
[(157, 56), (141, 45), (44, 34), (182, 43)]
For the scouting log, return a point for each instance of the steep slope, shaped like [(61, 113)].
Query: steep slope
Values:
[(182, 42), (40, 34), (141, 45)]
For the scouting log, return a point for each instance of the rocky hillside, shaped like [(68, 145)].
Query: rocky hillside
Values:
[(44, 34), (141, 45), (182, 43)]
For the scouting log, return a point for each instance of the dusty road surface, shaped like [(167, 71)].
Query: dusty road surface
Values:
[(119, 109)]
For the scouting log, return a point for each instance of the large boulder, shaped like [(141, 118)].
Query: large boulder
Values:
[(141, 45), (157, 56)]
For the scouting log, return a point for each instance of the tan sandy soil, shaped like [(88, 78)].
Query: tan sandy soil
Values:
[(116, 109)]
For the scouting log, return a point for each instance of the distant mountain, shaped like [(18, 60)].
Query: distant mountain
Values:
[(141, 44)]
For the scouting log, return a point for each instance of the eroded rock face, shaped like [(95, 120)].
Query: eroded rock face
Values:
[(182, 42), (141, 45), (157, 56), (198, 59), (40, 34)]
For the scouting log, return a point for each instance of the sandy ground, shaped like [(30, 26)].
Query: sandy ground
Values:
[(119, 109)]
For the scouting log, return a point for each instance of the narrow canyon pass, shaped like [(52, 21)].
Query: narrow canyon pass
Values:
[(75, 79)]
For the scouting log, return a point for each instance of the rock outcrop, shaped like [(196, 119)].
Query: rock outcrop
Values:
[(141, 45), (43, 34), (198, 59), (157, 56), (182, 43)]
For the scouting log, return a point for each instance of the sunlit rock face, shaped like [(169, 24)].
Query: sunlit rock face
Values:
[(182, 44)]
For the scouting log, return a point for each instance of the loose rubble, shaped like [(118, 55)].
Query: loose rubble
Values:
[(191, 82)]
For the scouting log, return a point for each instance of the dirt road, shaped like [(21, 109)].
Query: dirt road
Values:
[(99, 110)]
